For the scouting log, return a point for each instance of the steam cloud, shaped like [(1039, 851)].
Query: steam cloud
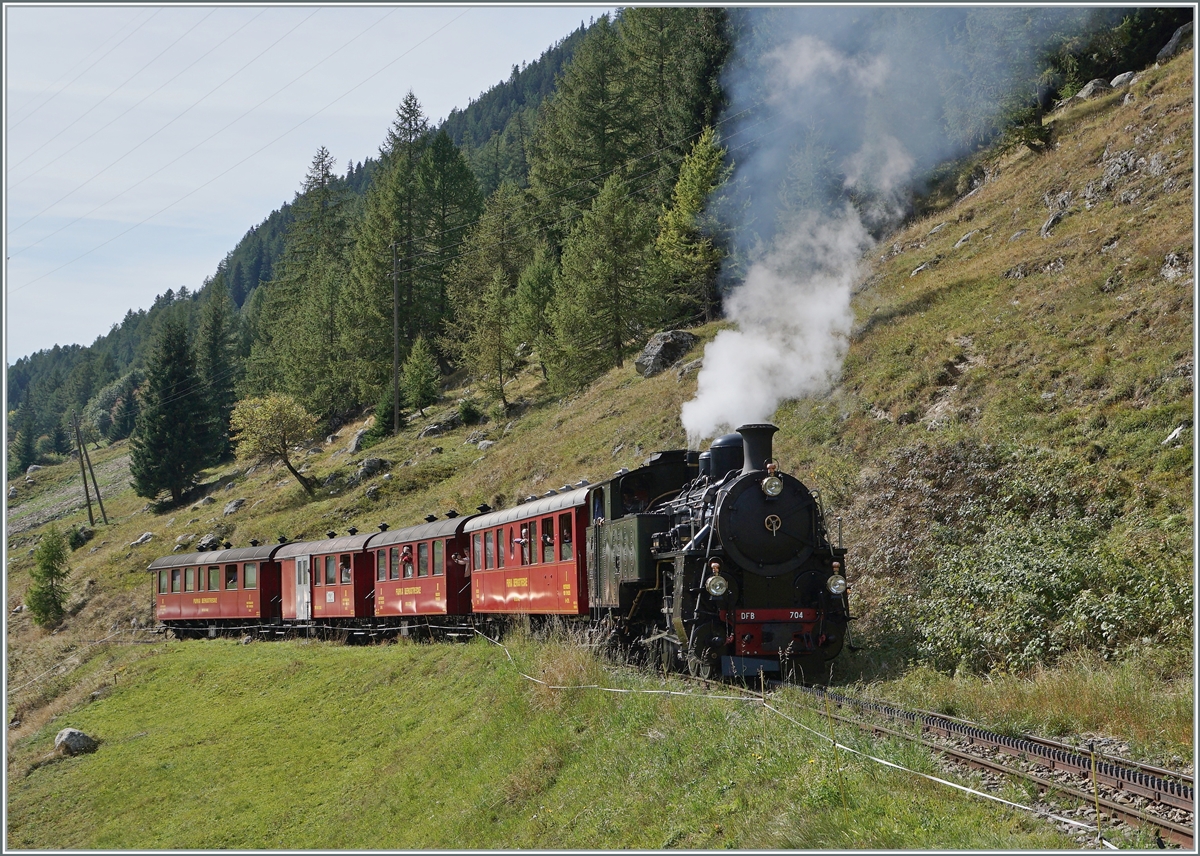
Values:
[(840, 110)]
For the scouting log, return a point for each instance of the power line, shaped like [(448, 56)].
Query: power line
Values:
[(141, 101), (82, 73), (243, 160)]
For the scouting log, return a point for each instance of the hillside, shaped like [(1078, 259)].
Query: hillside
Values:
[(1009, 448)]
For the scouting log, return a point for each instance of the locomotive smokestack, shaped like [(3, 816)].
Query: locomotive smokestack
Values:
[(756, 446)]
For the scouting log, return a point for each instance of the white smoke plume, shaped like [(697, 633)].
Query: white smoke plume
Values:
[(792, 312)]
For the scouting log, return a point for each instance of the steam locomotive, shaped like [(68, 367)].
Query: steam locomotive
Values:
[(714, 563)]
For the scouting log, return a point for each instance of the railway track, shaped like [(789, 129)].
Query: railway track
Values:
[(1125, 790)]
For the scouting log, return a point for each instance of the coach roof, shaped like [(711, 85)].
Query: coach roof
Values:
[(546, 505), (261, 553)]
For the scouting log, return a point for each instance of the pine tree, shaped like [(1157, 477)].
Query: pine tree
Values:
[(452, 203), (46, 597), (167, 449), (217, 364), (419, 377), (607, 293)]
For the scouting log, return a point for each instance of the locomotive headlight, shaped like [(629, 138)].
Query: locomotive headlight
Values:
[(772, 485), (836, 584), (717, 586)]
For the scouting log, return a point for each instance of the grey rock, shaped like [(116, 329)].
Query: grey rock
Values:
[(689, 368), (1175, 265), (663, 350), (208, 500), (144, 539), (233, 506), (356, 441), (229, 486), (12, 492), (436, 450), (484, 445), (433, 430), (32, 468), (937, 228), (387, 477), (371, 466), (1179, 40), (1120, 80), (372, 492), (475, 437), (965, 238), (186, 538), (1094, 89), (1054, 220), (20, 607), (932, 263), (72, 741), (1016, 235), (1174, 435), (208, 542)]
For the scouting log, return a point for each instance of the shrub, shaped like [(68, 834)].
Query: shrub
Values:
[(469, 412)]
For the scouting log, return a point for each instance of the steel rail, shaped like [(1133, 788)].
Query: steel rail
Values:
[(1153, 786), (1182, 835)]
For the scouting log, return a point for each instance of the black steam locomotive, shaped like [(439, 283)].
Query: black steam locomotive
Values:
[(732, 574)]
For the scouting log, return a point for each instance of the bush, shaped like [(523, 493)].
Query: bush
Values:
[(469, 412), (77, 536)]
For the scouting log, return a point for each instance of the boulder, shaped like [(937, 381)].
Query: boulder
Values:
[(484, 445), (72, 741), (372, 492), (1179, 40), (662, 351), (1120, 80), (1054, 220), (208, 500), (32, 468), (145, 538), (689, 368), (371, 466), (433, 430), (356, 441), (208, 542), (1094, 89), (233, 505), (12, 492)]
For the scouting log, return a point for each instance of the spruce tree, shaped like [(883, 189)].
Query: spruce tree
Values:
[(217, 364), (534, 300), (168, 445), (419, 377), (46, 598)]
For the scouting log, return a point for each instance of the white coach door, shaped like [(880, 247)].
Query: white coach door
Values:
[(303, 590)]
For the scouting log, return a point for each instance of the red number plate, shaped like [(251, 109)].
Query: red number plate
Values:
[(761, 615)]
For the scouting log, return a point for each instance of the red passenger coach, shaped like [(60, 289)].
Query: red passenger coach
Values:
[(531, 558), (422, 570), (220, 589), (325, 580)]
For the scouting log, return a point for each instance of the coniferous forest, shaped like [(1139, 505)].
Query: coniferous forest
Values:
[(570, 212)]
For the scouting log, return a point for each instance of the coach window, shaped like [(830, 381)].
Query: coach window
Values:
[(423, 559), (250, 576), (394, 567), (564, 538), (330, 571), (439, 557), (345, 566), (214, 578), (175, 581), (548, 539), (231, 576), (500, 547), (162, 581), (381, 566), (477, 551), (189, 579), (489, 549)]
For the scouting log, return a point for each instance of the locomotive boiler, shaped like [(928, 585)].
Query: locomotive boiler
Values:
[(733, 574)]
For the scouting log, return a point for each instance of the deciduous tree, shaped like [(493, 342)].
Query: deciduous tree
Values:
[(267, 429)]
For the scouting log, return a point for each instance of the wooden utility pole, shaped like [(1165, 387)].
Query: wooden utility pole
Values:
[(395, 343), (82, 472), (95, 484)]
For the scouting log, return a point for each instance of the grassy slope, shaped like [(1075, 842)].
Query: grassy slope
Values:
[(1078, 373)]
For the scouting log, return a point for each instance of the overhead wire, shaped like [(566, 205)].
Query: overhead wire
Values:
[(134, 106), (16, 124), (243, 160)]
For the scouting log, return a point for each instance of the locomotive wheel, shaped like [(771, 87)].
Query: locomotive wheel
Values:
[(700, 667)]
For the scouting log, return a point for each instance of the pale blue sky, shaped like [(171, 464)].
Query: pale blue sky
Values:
[(141, 142)]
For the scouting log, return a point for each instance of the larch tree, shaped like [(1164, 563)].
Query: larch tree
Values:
[(167, 449), (607, 294)]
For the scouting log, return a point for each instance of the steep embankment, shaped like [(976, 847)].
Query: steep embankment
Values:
[(1002, 449)]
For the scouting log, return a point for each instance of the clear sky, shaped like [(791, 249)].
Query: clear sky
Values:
[(141, 142)]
